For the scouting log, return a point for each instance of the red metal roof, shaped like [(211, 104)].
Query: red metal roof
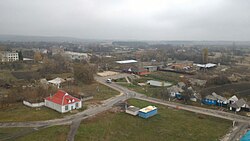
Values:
[(62, 98)]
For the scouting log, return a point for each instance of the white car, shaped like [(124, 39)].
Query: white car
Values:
[(109, 80)]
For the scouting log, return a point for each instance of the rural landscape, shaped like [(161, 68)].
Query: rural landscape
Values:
[(119, 83)]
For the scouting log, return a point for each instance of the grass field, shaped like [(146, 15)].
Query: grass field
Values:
[(54, 133), (167, 125), (5, 133), (147, 90), (19, 112), (97, 90), (165, 76)]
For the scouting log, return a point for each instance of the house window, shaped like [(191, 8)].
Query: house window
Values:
[(77, 104), (66, 107)]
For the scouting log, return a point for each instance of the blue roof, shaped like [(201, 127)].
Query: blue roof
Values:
[(246, 137)]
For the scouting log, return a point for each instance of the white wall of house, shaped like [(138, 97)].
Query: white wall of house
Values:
[(9, 56), (72, 106), (53, 105), (65, 108)]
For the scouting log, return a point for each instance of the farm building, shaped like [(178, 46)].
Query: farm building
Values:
[(158, 83), (62, 102), (151, 68), (210, 100), (132, 110), (148, 111)]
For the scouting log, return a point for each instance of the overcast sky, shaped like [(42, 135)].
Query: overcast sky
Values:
[(128, 19)]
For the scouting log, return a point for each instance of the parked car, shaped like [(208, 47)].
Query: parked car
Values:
[(109, 80)]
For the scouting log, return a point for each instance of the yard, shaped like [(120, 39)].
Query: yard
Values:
[(97, 90), (169, 124), (153, 91), (19, 112), (164, 76)]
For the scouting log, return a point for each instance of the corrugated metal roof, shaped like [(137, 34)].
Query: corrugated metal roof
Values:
[(126, 61)]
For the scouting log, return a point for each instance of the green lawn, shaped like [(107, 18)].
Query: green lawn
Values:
[(6, 133), (147, 90), (164, 76), (167, 125), (104, 92), (19, 112), (97, 90), (54, 133)]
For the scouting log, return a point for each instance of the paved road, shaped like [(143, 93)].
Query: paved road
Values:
[(73, 129), (107, 104), (68, 119), (205, 111)]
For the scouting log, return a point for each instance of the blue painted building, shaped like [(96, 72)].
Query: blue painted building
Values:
[(178, 96), (209, 100), (147, 112)]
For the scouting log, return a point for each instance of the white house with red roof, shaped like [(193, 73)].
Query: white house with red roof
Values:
[(62, 102)]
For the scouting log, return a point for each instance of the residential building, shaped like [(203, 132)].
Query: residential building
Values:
[(76, 55), (233, 99), (9, 56), (220, 100), (238, 105), (210, 100), (62, 102)]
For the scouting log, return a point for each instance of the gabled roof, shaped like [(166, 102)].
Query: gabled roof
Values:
[(57, 81), (219, 97), (62, 98), (238, 103), (211, 97), (233, 98)]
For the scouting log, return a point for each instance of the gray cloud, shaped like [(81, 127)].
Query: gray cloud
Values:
[(128, 19)]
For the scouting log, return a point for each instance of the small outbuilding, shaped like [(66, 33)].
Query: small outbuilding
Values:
[(132, 110), (151, 68), (148, 111), (158, 83), (56, 82)]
